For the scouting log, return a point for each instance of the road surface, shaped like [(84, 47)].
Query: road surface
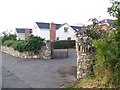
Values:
[(35, 73)]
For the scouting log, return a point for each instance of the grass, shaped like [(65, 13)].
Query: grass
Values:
[(88, 82)]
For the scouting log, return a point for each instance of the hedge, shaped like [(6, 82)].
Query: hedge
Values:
[(64, 44)]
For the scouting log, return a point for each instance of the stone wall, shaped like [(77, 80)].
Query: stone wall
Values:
[(84, 54), (44, 53)]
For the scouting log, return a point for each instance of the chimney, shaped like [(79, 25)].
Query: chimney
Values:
[(27, 32), (52, 31)]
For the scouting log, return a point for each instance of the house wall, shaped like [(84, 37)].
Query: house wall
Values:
[(64, 35), (44, 33), (21, 36), (36, 30)]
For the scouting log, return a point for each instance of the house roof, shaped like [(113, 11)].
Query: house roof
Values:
[(43, 25), (109, 21), (76, 28), (46, 26), (58, 26), (22, 30)]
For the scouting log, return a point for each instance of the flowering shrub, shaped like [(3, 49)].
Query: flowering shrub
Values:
[(106, 66)]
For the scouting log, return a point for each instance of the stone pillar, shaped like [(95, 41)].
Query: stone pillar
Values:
[(47, 51), (83, 58)]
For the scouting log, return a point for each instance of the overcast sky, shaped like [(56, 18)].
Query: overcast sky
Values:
[(24, 13)]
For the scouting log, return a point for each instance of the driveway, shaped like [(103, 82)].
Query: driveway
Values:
[(35, 73)]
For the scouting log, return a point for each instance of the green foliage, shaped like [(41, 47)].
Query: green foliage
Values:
[(8, 37), (63, 44), (117, 73), (114, 9), (34, 43), (9, 43), (106, 60), (19, 45), (107, 66)]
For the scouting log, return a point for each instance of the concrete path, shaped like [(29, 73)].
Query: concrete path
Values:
[(33, 73)]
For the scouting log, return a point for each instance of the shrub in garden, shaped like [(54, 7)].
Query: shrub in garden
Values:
[(9, 43), (19, 45), (34, 43), (8, 37), (106, 57)]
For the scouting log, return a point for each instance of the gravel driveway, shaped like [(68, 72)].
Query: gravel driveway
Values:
[(33, 73)]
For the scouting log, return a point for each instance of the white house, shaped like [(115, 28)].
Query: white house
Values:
[(42, 30), (66, 32), (22, 33), (52, 31)]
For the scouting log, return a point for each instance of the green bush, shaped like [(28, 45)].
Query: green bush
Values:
[(8, 37), (63, 44), (117, 73), (34, 43), (9, 43), (107, 61), (19, 45)]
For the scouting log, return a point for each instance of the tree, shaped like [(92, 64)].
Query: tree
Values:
[(8, 37), (114, 11)]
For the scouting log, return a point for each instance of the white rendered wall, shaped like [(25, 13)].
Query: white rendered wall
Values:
[(21, 36), (43, 33), (64, 35)]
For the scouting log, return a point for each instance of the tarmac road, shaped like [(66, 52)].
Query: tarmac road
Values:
[(33, 73)]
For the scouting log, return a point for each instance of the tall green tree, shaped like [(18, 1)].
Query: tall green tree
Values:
[(114, 11)]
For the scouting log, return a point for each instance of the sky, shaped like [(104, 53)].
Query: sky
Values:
[(24, 13)]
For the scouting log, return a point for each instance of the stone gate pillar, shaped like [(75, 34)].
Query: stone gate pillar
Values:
[(84, 55)]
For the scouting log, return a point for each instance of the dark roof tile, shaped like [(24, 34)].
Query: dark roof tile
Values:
[(22, 30), (43, 25), (46, 25), (76, 28)]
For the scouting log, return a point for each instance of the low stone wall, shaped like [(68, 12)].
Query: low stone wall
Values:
[(44, 53)]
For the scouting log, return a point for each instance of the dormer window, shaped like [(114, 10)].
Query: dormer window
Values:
[(65, 29)]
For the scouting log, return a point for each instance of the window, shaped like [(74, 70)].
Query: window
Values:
[(65, 29), (58, 38), (69, 38)]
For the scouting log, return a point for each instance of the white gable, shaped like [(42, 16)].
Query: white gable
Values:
[(43, 33), (63, 34)]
